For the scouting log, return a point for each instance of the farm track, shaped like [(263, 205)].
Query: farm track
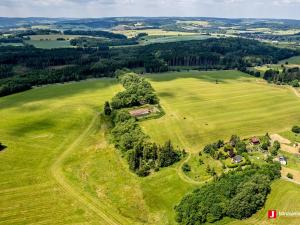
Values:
[(297, 93), (90, 203)]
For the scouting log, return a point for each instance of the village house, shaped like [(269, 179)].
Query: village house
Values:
[(254, 141), (237, 159)]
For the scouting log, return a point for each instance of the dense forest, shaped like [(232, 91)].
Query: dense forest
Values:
[(237, 194), (40, 66), (142, 155)]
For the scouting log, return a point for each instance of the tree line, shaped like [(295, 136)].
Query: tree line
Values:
[(46, 66), (143, 156), (289, 76)]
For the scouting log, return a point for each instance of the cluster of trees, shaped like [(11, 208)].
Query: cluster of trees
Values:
[(137, 92), (237, 194), (296, 129), (233, 147), (95, 33), (127, 136), (104, 61), (289, 76)]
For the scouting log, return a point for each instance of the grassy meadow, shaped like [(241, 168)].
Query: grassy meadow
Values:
[(199, 111), (60, 168), (151, 32)]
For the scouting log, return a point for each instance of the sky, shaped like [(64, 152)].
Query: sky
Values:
[(289, 9)]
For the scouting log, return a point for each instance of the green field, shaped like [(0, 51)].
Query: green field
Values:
[(294, 60), (199, 111), (48, 44), (59, 167)]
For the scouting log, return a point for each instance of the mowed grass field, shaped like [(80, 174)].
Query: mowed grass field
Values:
[(59, 167), (199, 111)]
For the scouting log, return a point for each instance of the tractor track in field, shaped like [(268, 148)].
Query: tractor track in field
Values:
[(89, 202), (297, 93)]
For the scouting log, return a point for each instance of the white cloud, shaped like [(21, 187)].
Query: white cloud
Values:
[(101, 8)]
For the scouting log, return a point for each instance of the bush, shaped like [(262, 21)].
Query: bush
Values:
[(289, 175), (186, 168), (296, 129), (295, 83)]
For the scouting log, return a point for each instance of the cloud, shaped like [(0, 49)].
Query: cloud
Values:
[(102, 8)]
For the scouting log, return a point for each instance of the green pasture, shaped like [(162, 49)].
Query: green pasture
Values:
[(48, 44), (60, 168), (202, 107)]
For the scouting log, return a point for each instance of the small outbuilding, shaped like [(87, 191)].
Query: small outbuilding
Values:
[(282, 160), (254, 141), (237, 159)]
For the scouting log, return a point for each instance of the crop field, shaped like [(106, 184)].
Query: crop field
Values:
[(199, 111), (60, 167)]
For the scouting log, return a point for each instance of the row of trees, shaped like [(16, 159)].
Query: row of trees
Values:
[(237, 194), (127, 136)]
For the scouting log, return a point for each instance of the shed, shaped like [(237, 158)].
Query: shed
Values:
[(237, 159)]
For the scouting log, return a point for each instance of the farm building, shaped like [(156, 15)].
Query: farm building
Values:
[(254, 141), (282, 160), (140, 112), (237, 159)]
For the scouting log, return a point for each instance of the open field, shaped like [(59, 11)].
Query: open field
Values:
[(199, 111), (59, 167), (49, 44), (152, 32), (294, 60)]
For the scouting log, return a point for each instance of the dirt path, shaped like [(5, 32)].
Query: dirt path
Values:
[(285, 144), (280, 139), (90, 203), (297, 93), (184, 177)]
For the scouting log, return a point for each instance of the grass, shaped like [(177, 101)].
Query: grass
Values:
[(152, 32), (294, 60), (48, 44), (199, 111), (59, 167)]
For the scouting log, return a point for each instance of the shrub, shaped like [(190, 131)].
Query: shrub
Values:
[(289, 175), (186, 168), (296, 129)]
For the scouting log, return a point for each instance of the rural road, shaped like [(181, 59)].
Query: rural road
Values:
[(87, 201)]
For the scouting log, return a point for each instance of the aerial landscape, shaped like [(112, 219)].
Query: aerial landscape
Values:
[(163, 113)]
